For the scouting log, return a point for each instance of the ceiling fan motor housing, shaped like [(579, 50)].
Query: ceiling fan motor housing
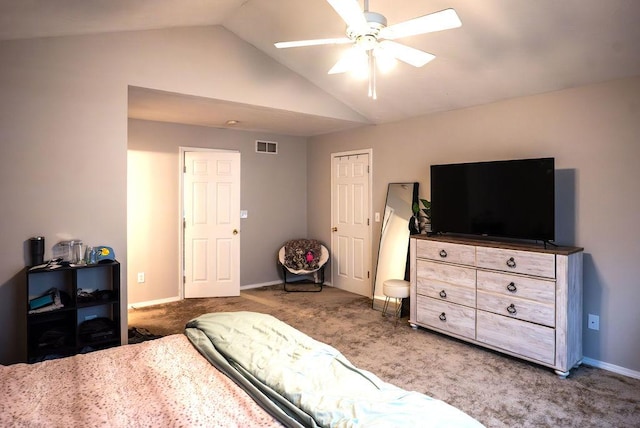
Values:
[(367, 37)]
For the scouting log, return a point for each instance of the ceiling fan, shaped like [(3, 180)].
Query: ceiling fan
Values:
[(373, 41)]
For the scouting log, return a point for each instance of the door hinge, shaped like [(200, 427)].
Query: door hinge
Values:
[(368, 169), (184, 279), (368, 275), (368, 221), (184, 223), (184, 169)]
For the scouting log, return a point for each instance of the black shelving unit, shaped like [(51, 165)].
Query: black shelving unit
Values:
[(59, 332)]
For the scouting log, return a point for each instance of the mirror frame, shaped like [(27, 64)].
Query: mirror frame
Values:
[(377, 287)]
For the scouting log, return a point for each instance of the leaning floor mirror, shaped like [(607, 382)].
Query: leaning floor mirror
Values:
[(394, 237)]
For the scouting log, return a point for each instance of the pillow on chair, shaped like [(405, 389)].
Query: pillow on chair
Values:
[(302, 254)]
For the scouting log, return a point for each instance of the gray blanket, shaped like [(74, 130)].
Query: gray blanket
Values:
[(306, 383)]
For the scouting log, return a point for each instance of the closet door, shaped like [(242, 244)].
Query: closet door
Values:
[(351, 229)]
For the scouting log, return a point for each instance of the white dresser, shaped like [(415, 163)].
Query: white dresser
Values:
[(523, 300)]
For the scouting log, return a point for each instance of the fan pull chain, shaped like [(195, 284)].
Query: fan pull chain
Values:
[(372, 76)]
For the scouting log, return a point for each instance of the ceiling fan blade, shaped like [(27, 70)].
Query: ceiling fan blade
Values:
[(352, 60), (316, 42), (404, 53), (438, 21), (350, 12)]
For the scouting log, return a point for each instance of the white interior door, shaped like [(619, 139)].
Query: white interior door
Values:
[(211, 189), (351, 230)]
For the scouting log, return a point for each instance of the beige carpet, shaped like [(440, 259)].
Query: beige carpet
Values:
[(498, 390)]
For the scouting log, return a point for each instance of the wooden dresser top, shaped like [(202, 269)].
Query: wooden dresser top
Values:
[(494, 243)]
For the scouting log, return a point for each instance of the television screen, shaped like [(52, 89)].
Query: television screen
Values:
[(510, 199)]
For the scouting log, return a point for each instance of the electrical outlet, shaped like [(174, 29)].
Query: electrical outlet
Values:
[(594, 322), (377, 217), (140, 277)]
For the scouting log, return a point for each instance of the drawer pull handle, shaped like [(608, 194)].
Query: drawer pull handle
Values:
[(511, 309), (511, 263), (443, 317), (443, 294), (443, 253), (512, 287)]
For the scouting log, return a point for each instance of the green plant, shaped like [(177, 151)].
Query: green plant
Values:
[(426, 210)]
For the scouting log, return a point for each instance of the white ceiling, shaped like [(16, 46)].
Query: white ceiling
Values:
[(504, 49)]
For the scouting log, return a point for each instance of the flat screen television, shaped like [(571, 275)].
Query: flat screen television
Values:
[(505, 199)]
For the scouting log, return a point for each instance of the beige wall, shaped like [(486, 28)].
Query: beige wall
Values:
[(273, 191), (63, 133), (593, 134)]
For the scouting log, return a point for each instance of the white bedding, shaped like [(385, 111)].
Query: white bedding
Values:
[(159, 383)]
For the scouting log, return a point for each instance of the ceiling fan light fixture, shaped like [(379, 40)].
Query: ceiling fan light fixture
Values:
[(361, 69), (385, 61), (353, 59)]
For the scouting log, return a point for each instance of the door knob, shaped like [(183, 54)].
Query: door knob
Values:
[(235, 231), (334, 229)]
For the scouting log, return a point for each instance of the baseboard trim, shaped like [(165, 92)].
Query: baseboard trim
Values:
[(177, 298), (611, 367), (265, 284), (153, 302), (262, 284)]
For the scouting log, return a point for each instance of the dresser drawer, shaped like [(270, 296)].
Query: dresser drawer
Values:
[(455, 284), (515, 307), (447, 292), (441, 272), (448, 317), (539, 290), (446, 252), (515, 261), (523, 338)]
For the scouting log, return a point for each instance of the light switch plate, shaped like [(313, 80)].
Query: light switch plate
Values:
[(594, 322), (244, 214)]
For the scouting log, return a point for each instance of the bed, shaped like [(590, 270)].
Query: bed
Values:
[(235, 369), (159, 383)]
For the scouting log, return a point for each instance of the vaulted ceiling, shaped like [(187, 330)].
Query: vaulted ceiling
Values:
[(504, 49)]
